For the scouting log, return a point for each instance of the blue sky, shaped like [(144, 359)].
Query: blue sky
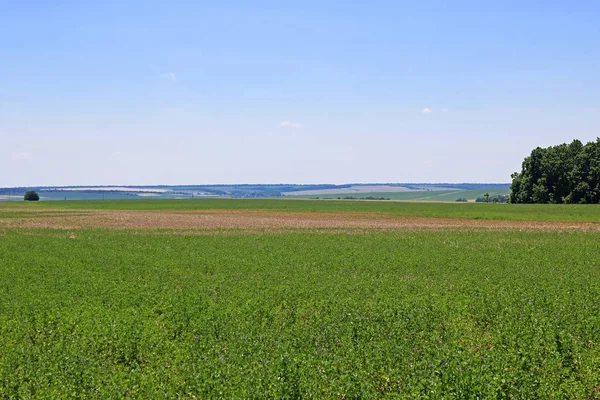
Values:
[(156, 92)]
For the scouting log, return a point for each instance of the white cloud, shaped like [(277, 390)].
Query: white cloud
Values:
[(22, 156), (427, 110), (170, 76), (291, 124), (444, 110)]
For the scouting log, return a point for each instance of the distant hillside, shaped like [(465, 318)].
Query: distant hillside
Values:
[(437, 195), (397, 191)]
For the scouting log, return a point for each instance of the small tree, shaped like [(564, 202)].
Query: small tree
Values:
[(487, 197), (31, 196)]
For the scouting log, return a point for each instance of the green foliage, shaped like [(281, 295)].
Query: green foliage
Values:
[(567, 173), (31, 196), (500, 198), (447, 314)]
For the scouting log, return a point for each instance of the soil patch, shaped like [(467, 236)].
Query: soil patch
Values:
[(263, 220)]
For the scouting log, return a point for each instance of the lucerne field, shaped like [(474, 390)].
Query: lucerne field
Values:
[(294, 299)]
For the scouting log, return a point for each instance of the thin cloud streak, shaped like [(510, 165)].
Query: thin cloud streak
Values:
[(170, 76), (291, 124)]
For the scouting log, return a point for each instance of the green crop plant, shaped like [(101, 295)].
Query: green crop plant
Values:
[(437, 314)]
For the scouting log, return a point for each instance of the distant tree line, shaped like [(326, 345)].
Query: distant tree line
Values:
[(567, 173), (500, 198), (487, 198), (353, 198)]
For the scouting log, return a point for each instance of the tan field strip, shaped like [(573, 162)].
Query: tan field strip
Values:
[(204, 220)]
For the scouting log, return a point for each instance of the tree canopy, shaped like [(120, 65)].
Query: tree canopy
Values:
[(567, 173), (31, 196)]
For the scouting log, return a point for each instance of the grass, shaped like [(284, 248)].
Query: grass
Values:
[(113, 314), (452, 314), (511, 212)]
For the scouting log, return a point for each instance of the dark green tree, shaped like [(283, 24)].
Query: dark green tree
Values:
[(567, 173), (31, 196)]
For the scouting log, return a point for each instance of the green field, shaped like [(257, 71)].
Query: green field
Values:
[(512, 212), (434, 195), (99, 313)]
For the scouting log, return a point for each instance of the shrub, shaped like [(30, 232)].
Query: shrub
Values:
[(31, 196)]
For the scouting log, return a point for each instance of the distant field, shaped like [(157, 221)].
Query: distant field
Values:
[(362, 189), (437, 195), (511, 212), (229, 191), (59, 195), (220, 298)]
